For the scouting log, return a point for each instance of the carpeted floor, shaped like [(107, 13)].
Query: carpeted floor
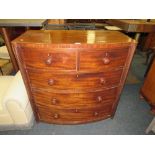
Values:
[(132, 116)]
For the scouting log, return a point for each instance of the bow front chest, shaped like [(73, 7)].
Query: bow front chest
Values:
[(73, 76)]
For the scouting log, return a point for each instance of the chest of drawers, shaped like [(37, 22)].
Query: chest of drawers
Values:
[(73, 77)]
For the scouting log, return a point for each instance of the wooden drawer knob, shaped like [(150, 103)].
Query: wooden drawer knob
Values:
[(106, 60), (99, 98), (76, 110), (56, 116), (102, 81), (50, 82), (48, 61), (54, 101), (96, 113)]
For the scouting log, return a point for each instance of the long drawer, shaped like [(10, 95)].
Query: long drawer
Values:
[(70, 116), (102, 60), (75, 100), (50, 80), (64, 59)]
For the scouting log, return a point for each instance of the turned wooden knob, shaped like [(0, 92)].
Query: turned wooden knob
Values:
[(50, 82), (48, 61), (102, 81), (96, 113), (99, 98), (106, 60), (54, 101), (56, 116), (76, 110)]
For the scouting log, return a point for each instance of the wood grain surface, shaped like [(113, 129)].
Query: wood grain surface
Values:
[(74, 77)]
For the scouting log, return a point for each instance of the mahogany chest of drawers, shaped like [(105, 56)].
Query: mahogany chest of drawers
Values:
[(75, 76)]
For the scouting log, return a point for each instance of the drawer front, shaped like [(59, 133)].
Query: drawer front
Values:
[(102, 60), (49, 80), (70, 116), (75, 100), (50, 59)]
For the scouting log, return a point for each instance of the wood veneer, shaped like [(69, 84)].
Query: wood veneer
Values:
[(148, 88), (73, 76), (91, 99), (80, 81), (133, 25)]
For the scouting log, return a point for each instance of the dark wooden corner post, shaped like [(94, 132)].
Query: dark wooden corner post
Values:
[(9, 47)]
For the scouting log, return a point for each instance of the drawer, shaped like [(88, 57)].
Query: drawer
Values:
[(75, 100), (81, 81), (50, 59), (72, 116), (102, 59)]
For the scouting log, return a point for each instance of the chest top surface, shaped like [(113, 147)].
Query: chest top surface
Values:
[(79, 37)]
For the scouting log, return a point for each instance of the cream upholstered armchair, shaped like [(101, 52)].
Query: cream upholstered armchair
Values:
[(4, 53), (15, 108)]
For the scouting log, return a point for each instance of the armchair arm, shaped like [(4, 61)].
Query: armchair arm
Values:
[(16, 92), (16, 102)]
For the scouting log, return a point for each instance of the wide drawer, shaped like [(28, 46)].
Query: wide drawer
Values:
[(50, 59), (75, 100), (102, 59), (70, 116), (81, 81)]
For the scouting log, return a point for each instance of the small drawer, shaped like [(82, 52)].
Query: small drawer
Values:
[(81, 81), (73, 116), (75, 100), (102, 60), (50, 59)]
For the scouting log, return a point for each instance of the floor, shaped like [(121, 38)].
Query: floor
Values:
[(132, 116)]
